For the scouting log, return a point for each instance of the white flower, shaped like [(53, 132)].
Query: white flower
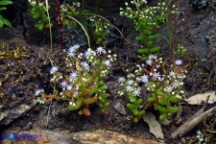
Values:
[(101, 50), (89, 53), (38, 92), (73, 48), (71, 54), (73, 76), (172, 74), (152, 57), (130, 82), (54, 69), (136, 92), (63, 84), (178, 62), (144, 78), (107, 63), (69, 87), (121, 80), (149, 62), (156, 75), (76, 46), (76, 93), (168, 89), (175, 84), (85, 65), (129, 88)]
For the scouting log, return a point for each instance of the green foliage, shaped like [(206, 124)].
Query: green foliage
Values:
[(181, 51), (4, 21), (91, 23), (147, 21), (82, 81), (39, 12), (164, 87)]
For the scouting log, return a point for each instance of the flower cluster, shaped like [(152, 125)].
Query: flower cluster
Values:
[(100, 27), (146, 20), (70, 9), (82, 83), (164, 82), (133, 91), (145, 13)]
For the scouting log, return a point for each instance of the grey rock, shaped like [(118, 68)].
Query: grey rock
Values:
[(9, 115)]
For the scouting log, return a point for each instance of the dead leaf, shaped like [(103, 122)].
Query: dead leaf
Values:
[(198, 99), (154, 125), (192, 122)]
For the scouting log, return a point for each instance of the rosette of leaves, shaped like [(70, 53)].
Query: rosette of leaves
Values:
[(4, 21)]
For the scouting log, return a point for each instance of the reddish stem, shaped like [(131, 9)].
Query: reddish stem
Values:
[(60, 22)]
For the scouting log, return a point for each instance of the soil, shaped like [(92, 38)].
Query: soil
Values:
[(195, 29)]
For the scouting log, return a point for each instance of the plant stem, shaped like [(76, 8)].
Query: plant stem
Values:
[(86, 33), (60, 23), (47, 10)]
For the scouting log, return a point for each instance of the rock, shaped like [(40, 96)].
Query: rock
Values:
[(65, 137), (120, 108), (9, 115)]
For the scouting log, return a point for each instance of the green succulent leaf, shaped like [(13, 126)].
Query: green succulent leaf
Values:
[(6, 2), (140, 38), (2, 8), (6, 22), (135, 112), (173, 99), (151, 99), (162, 109), (1, 24), (149, 43), (39, 26), (143, 50), (147, 31), (172, 110), (155, 49), (77, 105), (135, 119), (159, 93), (152, 37), (162, 101), (163, 116)]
